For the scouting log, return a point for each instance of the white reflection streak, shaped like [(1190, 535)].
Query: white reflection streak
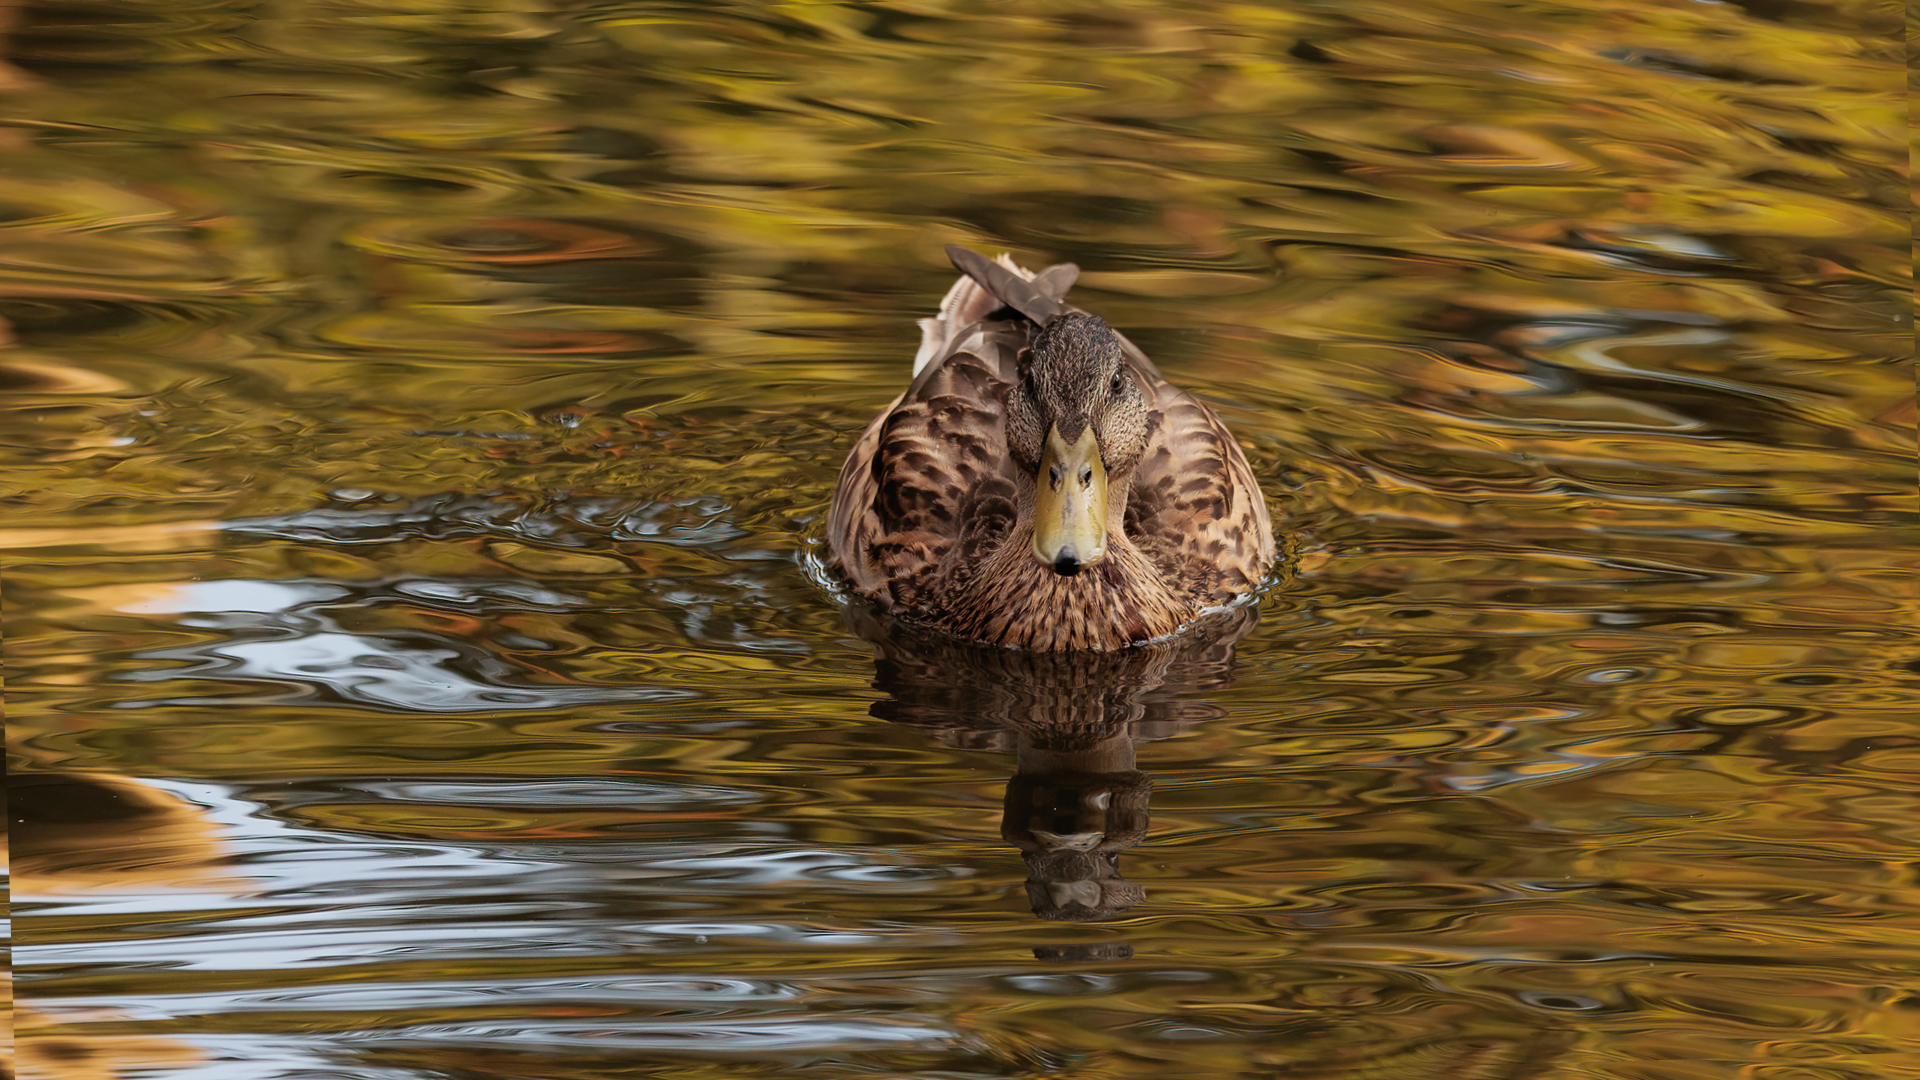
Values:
[(286, 861)]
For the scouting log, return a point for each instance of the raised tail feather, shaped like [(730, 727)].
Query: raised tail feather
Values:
[(986, 287)]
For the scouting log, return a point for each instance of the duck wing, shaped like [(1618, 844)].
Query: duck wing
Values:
[(1194, 506), (931, 471)]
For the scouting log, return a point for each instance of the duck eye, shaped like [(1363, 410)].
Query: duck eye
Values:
[(1118, 381)]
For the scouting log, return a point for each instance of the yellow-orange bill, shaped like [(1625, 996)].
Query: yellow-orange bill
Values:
[(1070, 526)]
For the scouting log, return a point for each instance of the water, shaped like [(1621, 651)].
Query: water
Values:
[(423, 417)]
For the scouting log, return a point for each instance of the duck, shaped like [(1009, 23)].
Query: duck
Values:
[(1040, 485)]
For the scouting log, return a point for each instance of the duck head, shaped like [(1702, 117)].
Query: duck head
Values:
[(1077, 422)]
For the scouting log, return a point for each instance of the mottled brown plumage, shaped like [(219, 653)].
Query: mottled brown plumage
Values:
[(978, 504)]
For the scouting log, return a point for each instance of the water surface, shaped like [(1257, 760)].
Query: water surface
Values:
[(421, 667)]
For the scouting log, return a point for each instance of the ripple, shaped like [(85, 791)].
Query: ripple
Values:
[(497, 240), (382, 671), (691, 521)]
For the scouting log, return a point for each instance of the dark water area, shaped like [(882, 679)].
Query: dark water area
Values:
[(421, 662)]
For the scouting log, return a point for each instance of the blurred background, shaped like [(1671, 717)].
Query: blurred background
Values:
[(421, 666)]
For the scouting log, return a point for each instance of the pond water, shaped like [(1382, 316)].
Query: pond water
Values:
[(422, 417)]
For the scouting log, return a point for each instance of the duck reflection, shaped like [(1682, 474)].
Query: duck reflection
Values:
[(1073, 721)]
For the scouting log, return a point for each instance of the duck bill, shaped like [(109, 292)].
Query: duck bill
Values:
[(1070, 520)]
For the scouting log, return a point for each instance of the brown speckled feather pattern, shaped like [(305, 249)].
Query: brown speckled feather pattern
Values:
[(932, 518)]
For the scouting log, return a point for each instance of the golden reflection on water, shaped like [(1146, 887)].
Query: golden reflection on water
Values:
[(420, 420)]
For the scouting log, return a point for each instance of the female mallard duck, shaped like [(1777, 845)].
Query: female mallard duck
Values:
[(1040, 484)]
